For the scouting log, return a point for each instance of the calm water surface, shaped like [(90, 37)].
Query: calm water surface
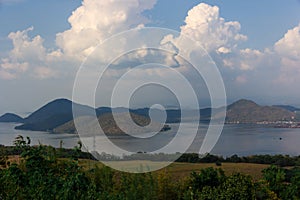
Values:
[(235, 139)]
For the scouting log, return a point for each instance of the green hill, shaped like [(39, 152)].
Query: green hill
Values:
[(109, 126), (246, 111)]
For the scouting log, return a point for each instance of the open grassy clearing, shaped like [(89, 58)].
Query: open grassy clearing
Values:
[(181, 170)]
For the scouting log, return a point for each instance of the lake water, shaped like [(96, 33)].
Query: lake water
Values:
[(235, 139)]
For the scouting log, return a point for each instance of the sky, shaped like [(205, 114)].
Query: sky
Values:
[(254, 44)]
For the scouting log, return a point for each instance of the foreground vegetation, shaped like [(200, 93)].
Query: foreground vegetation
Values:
[(39, 173)]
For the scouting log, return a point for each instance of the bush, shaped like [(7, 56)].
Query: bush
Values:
[(42, 175)]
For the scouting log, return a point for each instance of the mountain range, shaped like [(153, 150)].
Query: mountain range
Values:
[(57, 115)]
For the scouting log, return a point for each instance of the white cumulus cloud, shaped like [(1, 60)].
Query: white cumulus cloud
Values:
[(94, 21), (288, 46), (91, 23), (27, 55), (204, 24), (218, 37), (26, 48), (288, 50)]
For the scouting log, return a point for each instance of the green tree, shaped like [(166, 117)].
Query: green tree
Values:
[(275, 176)]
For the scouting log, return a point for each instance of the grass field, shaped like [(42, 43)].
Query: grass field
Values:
[(181, 170)]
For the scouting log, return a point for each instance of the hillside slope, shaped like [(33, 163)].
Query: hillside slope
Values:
[(10, 117), (109, 126), (53, 114), (246, 111)]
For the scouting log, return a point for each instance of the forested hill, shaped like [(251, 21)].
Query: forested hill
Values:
[(10, 117), (109, 126), (246, 111), (53, 114)]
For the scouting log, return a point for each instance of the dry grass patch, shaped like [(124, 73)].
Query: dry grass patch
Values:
[(181, 170)]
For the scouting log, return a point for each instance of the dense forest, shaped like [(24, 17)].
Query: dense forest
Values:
[(41, 172)]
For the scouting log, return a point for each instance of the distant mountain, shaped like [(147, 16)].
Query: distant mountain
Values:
[(53, 114), (175, 115), (288, 107), (172, 115), (59, 112), (246, 111), (10, 117), (105, 110), (109, 126)]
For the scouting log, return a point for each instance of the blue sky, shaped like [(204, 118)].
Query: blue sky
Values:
[(265, 57)]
